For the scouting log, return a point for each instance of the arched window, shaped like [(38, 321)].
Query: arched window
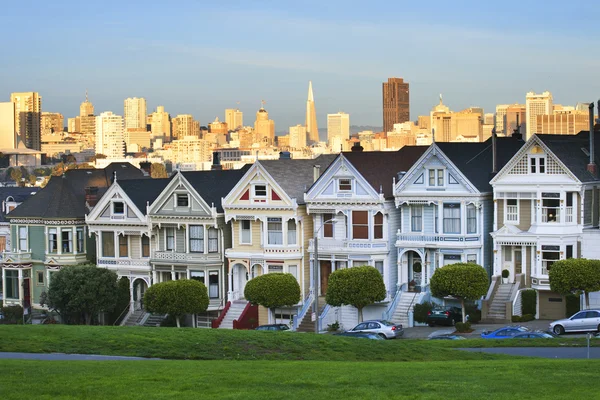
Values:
[(378, 226)]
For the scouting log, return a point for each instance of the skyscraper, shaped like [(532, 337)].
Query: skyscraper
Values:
[(501, 119), (234, 118), (8, 136), (396, 103), (86, 108), (298, 136), (110, 138), (28, 114), (338, 130), (52, 123), (135, 113), (536, 104), (183, 125), (161, 124), (312, 130), (87, 120), (264, 128)]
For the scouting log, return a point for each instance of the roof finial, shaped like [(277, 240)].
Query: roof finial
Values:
[(441, 99)]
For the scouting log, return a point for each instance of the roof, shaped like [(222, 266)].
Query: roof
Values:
[(474, 160), (380, 168), (143, 191), (296, 176), (214, 185), (18, 194)]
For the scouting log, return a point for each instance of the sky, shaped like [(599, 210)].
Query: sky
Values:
[(201, 57)]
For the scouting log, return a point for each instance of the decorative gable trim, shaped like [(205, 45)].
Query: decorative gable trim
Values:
[(114, 192), (179, 183), (420, 180)]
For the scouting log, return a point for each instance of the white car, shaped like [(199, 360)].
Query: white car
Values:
[(582, 321)]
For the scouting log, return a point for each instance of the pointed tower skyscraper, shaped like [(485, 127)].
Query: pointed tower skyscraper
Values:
[(312, 131)]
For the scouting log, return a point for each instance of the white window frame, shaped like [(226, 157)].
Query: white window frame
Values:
[(242, 231), (256, 196), (118, 254), (167, 239), (52, 231), (534, 164), (112, 210), (349, 183), (210, 240), (506, 213), (23, 239), (200, 238), (70, 241), (79, 230), (275, 232), (412, 208), (474, 209), (444, 218), (436, 177), (292, 239), (187, 196)]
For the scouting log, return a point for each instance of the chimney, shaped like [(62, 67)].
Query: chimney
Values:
[(592, 167), (91, 196), (146, 167), (285, 155), (216, 165), (517, 131), (316, 172), (357, 147), (494, 153)]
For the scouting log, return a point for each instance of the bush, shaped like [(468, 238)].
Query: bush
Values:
[(13, 314), (515, 318), (505, 273), (473, 312), (463, 327), (574, 276), (177, 298), (573, 304), (333, 327), (529, 301), (421, 311), (527, 317)]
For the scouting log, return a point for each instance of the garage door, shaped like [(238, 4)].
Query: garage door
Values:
[(552, 305)]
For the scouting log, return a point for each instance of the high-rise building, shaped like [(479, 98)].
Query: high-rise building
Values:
[(264, 128), (135, 113), (298, 137), (190, 149), (563, 122), (312, 129), (218, 127), (536, 104), (500, 118), (110, 138), (8, 135), (465, 125), (234, 118), (338, 130), (161, 124), (516, 115), (183, 125), (28, 113), (136, 139), (73, 124), (86, 121), (86, 108), (396, 103), (52, 123)]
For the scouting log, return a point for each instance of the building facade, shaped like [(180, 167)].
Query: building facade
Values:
[(110, 135), (536, 104), (135, 113), (396, 103), (28, 113)]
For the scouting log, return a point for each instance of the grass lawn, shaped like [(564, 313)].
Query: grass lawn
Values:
[(518, 378)]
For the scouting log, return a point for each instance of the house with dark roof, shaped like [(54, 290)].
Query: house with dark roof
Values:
[(355, 222), (48, 230), (270, 230), (446, 210), (546, 209)]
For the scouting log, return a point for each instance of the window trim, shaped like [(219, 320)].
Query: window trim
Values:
[(325, 224), (376, 225), (200, 238), (348, 184), (69, 231), (536, 163), (167, 229), (412, 208), (179, 196), (448, 205), (289, 231), (259, 196), (367, 225), (25, 229), (249, 231), (37, 278), (210, 240), (52, 231), (474, 217), (113, 203), (518, 215), (108, 234), (436, 177), (79, 249), (126, 244), (142, 246)]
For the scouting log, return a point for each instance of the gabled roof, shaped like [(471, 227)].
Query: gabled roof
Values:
[(18, 194), (380, 168), (474, 160), (143, 191), (296, 176), (214, 185)]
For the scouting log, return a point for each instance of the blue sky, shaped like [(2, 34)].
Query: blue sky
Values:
[(200, 57)]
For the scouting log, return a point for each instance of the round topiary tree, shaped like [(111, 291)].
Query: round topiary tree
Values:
[(273, 290), (575, 276), (177, 298), (356, 286), (464, 281)]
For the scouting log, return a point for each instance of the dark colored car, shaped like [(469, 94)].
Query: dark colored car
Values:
[(444, 316), (273, 327), (447, 337), (362, 335), (508, 332)]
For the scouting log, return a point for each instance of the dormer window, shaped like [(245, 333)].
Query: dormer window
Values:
[(345, 185), (260, 191), (537, 165), (182, 200), (436, 177), (118, 208)]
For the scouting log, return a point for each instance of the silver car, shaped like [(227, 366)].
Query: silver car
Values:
[(586, 320), (385, 329)]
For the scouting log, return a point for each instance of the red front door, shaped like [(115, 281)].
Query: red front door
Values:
[(325, 272)]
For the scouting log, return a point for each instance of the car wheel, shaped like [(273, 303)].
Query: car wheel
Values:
[(558, 329), (383, 336)]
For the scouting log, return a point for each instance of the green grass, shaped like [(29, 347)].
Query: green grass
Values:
[(522, 379)]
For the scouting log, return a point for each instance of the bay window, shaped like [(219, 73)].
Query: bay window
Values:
[(145, 246), (213, 284), (170, 239), (274, 231), (108, 244), (80, 240), (197, 238), (52, 240), (471, 219), (66, 238), (452, 218), (123, 246), (213, 240), (12, 284), (360, 224), (291, 232), (512, 210)]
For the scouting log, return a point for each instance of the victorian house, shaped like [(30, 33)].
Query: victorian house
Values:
[(270, 230), (355, 223)]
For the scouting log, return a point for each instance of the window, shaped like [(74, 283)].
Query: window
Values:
[(378, 226), (197, 276), (108, 244), (80, 240), (436, 177), (260, 191), (550, 254), (328, 225), (512, 210), (440, 177), (471, 219), (52, 240), (118, 207), (182, 200), (23, 238), (550, 207), (452, 218), (145, 246), (246, 235), (12, 284), (274, 231), (416, 218), (569, 253), (537, 165), (293, 269), (213, 240), (432, 177), (451, 259), (197, 238), (360, 224), (123, 246), (275, 269), (66, 240), (213, 284), (436, 219), (472, 258), (345, 185), (379, 266), (291, 232), (40, 278), (170, 232)]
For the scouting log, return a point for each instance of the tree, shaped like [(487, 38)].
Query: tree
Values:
[(16, 175), (463, 281), (575, 276), (158, 170), (123, 300), (82, 292), (177, 298), (273, 291), (356, 286)]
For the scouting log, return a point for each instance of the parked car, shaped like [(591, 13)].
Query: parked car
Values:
[(507, 332), (582, 321), (273, 327), (444, 316), (447, 337), (534, 335), (386, 329), (362, 335)]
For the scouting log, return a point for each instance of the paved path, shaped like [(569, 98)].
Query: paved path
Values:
[(68, 357), (544, 352)]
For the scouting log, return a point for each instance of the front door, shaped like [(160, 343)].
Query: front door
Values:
[(325, 272), (26, 293), (508, 262), (240, 277), (518, 261)]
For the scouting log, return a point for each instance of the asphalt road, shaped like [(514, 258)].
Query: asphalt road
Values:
[(68, 357), (544, 352)]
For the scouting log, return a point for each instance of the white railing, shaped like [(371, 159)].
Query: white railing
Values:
[(569, 214), (434, 238), (516, 305), (305, 307), (324, 317), (389, 312), (550, 214), (352, 245)]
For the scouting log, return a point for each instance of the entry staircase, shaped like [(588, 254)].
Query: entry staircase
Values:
[(405, 304), (154, 320), (497, 307), (234, 312), (134, 318), (307, 325)]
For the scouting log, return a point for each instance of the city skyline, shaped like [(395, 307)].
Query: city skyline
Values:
[(250, 62)]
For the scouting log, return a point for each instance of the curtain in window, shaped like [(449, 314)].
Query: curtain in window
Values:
[(170, 238), (275, 231), (471, 219), (52, 240), (145, 246), (23, 238), (416, 218), (108, 244), (213, 284), (80, 240), (291, 231), (378, 226), (246, 232), (67, 241), (213, 240), (452, 218), (196, 238)]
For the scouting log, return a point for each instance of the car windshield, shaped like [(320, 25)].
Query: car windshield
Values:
[(387, 323), (284, 327)]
